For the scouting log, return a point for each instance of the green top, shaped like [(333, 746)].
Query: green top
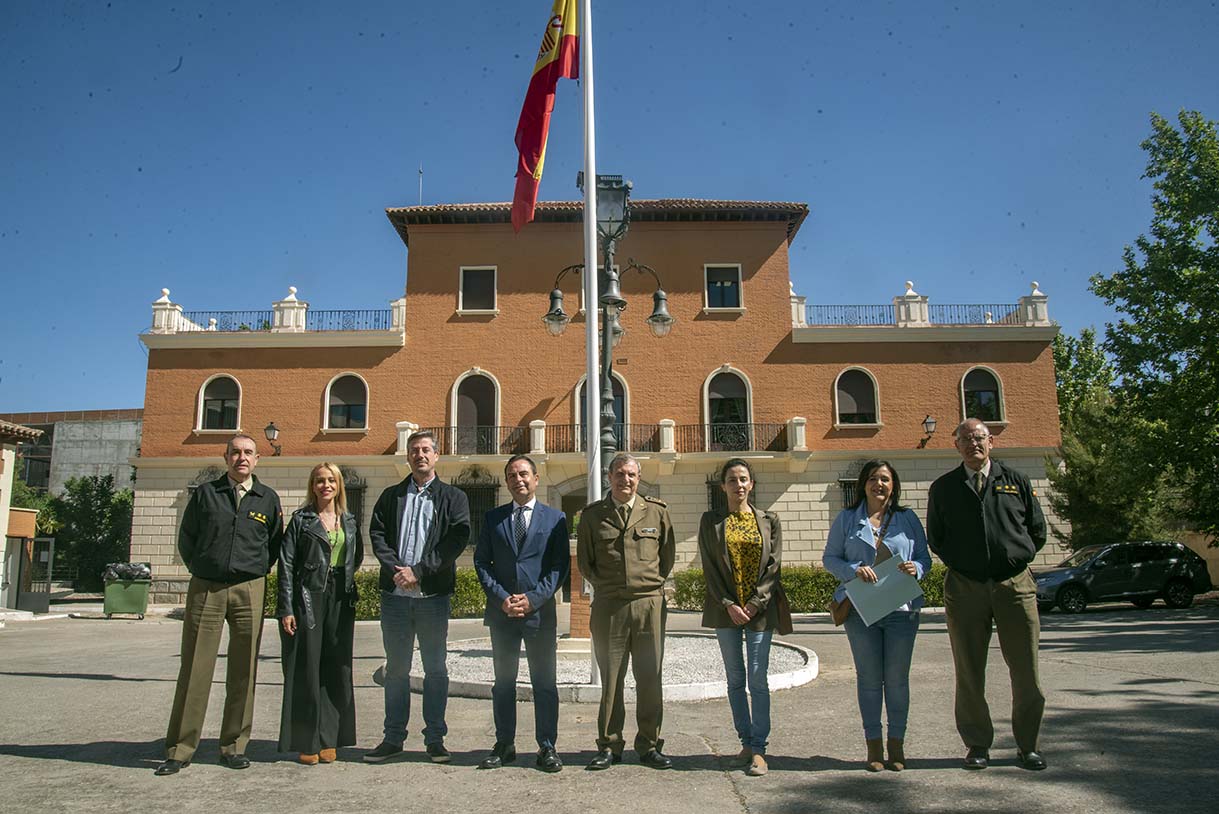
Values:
[(744, 541), (338, 547)]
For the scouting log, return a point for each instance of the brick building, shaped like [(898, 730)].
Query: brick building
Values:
[(807, 393)]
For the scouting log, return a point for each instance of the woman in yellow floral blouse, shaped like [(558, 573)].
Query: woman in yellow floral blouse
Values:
[(740, 550)]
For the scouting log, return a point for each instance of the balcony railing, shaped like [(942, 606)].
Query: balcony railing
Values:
[(1005, 314), (946, 314), (375, 320), (226, 321), (627, 438), (480, 440), (851, 315), (730, 438)]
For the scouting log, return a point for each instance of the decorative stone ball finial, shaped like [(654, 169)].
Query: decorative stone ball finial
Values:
[(291, 294), (164, 295), (1037, 291), (910, 292)]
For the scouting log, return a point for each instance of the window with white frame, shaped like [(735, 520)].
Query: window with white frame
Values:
[(347, 403), (477, 291), (981, 395), (855, 398), (723, 287), (220, 407)]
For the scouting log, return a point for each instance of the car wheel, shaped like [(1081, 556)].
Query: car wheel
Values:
[(1143, 602), (1178, 594), (1072, 599)]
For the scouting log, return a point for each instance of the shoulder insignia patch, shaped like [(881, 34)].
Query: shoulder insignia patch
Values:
[(657, 501)]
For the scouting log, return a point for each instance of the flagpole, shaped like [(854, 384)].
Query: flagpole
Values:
[(592, 302)]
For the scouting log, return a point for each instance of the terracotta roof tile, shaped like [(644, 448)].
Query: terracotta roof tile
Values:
[(642, 210), (11, 433)]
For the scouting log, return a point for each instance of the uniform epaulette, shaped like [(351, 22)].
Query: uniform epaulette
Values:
[(657, 501)]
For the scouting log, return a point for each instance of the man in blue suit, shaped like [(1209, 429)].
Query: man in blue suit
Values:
[(522, 558)]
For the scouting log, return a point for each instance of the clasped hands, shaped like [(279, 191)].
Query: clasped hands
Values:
[(404, 578), (516, 606), (866, 573), (739, 615)]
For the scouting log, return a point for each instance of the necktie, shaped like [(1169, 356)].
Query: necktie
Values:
[(238, 493), (979, 482), (518, 526), (624, 513)]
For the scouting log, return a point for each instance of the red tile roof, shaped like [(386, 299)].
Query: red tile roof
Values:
[(643, 210), (11, 433)]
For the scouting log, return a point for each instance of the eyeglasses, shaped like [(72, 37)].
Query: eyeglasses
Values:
[(973, 440)]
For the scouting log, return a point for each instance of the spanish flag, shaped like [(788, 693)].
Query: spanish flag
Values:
[(558, 57)]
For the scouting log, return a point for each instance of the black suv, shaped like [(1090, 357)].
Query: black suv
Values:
[(1139, 572)]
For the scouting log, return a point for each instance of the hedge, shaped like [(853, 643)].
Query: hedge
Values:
[(808, 588), (469, 600)]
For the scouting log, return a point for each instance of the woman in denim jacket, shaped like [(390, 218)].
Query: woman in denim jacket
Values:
[(882, 651)]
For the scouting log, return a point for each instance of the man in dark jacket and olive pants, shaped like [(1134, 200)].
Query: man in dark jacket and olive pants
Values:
[(230, 536), (984, 522)]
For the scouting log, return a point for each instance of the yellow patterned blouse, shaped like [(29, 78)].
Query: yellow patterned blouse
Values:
[(744, 542)]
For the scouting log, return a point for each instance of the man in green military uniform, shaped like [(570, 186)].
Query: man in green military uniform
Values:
[(625, 548)]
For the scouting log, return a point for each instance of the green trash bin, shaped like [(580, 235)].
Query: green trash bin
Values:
[(126, 596)]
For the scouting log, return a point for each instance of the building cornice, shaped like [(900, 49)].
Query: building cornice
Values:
[(933, 333), (269, 339)]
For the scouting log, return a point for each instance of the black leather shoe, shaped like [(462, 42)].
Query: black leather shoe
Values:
[(438, 753), (1033, 761), (171, 766), (655, 759), (603, 760), (977, 758), (501, 753), (235, 761), (548, 760)]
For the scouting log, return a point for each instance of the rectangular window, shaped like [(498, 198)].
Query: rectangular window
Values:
[(477, 289), (723, 286), (220, 414), (849, 496)]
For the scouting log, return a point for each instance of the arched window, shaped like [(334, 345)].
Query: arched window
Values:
[(620, 413), (728, 413), (475, 416), (981, 395), (220, 404), (855, 398), (347, 403)]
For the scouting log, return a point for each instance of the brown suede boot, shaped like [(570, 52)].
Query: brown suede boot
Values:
[(897, 757), (876, 755)]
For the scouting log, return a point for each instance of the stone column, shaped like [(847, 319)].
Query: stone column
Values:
[(1034, 308), (289, 314), (910, 310), (166, 315), (537, 437)]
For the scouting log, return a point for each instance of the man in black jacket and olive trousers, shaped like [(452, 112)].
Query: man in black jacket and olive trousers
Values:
[(984, 522), (230, 536)]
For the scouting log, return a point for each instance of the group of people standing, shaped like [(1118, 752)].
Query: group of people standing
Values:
[(984, 523)]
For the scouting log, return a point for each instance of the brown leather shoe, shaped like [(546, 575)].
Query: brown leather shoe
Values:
[(308, 760), (328, 755), (876, 755), (897, 756), (757, 766)]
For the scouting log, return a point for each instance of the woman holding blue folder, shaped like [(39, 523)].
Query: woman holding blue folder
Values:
[(875, 528)]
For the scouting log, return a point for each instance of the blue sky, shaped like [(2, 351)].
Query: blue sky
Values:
[(228, 150)]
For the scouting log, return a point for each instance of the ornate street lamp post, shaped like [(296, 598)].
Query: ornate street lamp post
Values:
[(613, 218)]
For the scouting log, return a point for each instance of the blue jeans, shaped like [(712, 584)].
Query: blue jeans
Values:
[(402, 619), (752, 730), (882, 654), (506, 657)]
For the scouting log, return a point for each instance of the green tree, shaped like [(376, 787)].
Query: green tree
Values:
[(96, 528), (1081, 371), (1107, 486), (25, 497), (1164, 347)]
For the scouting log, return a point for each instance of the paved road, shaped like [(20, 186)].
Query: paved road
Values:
[(1133, 711)]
